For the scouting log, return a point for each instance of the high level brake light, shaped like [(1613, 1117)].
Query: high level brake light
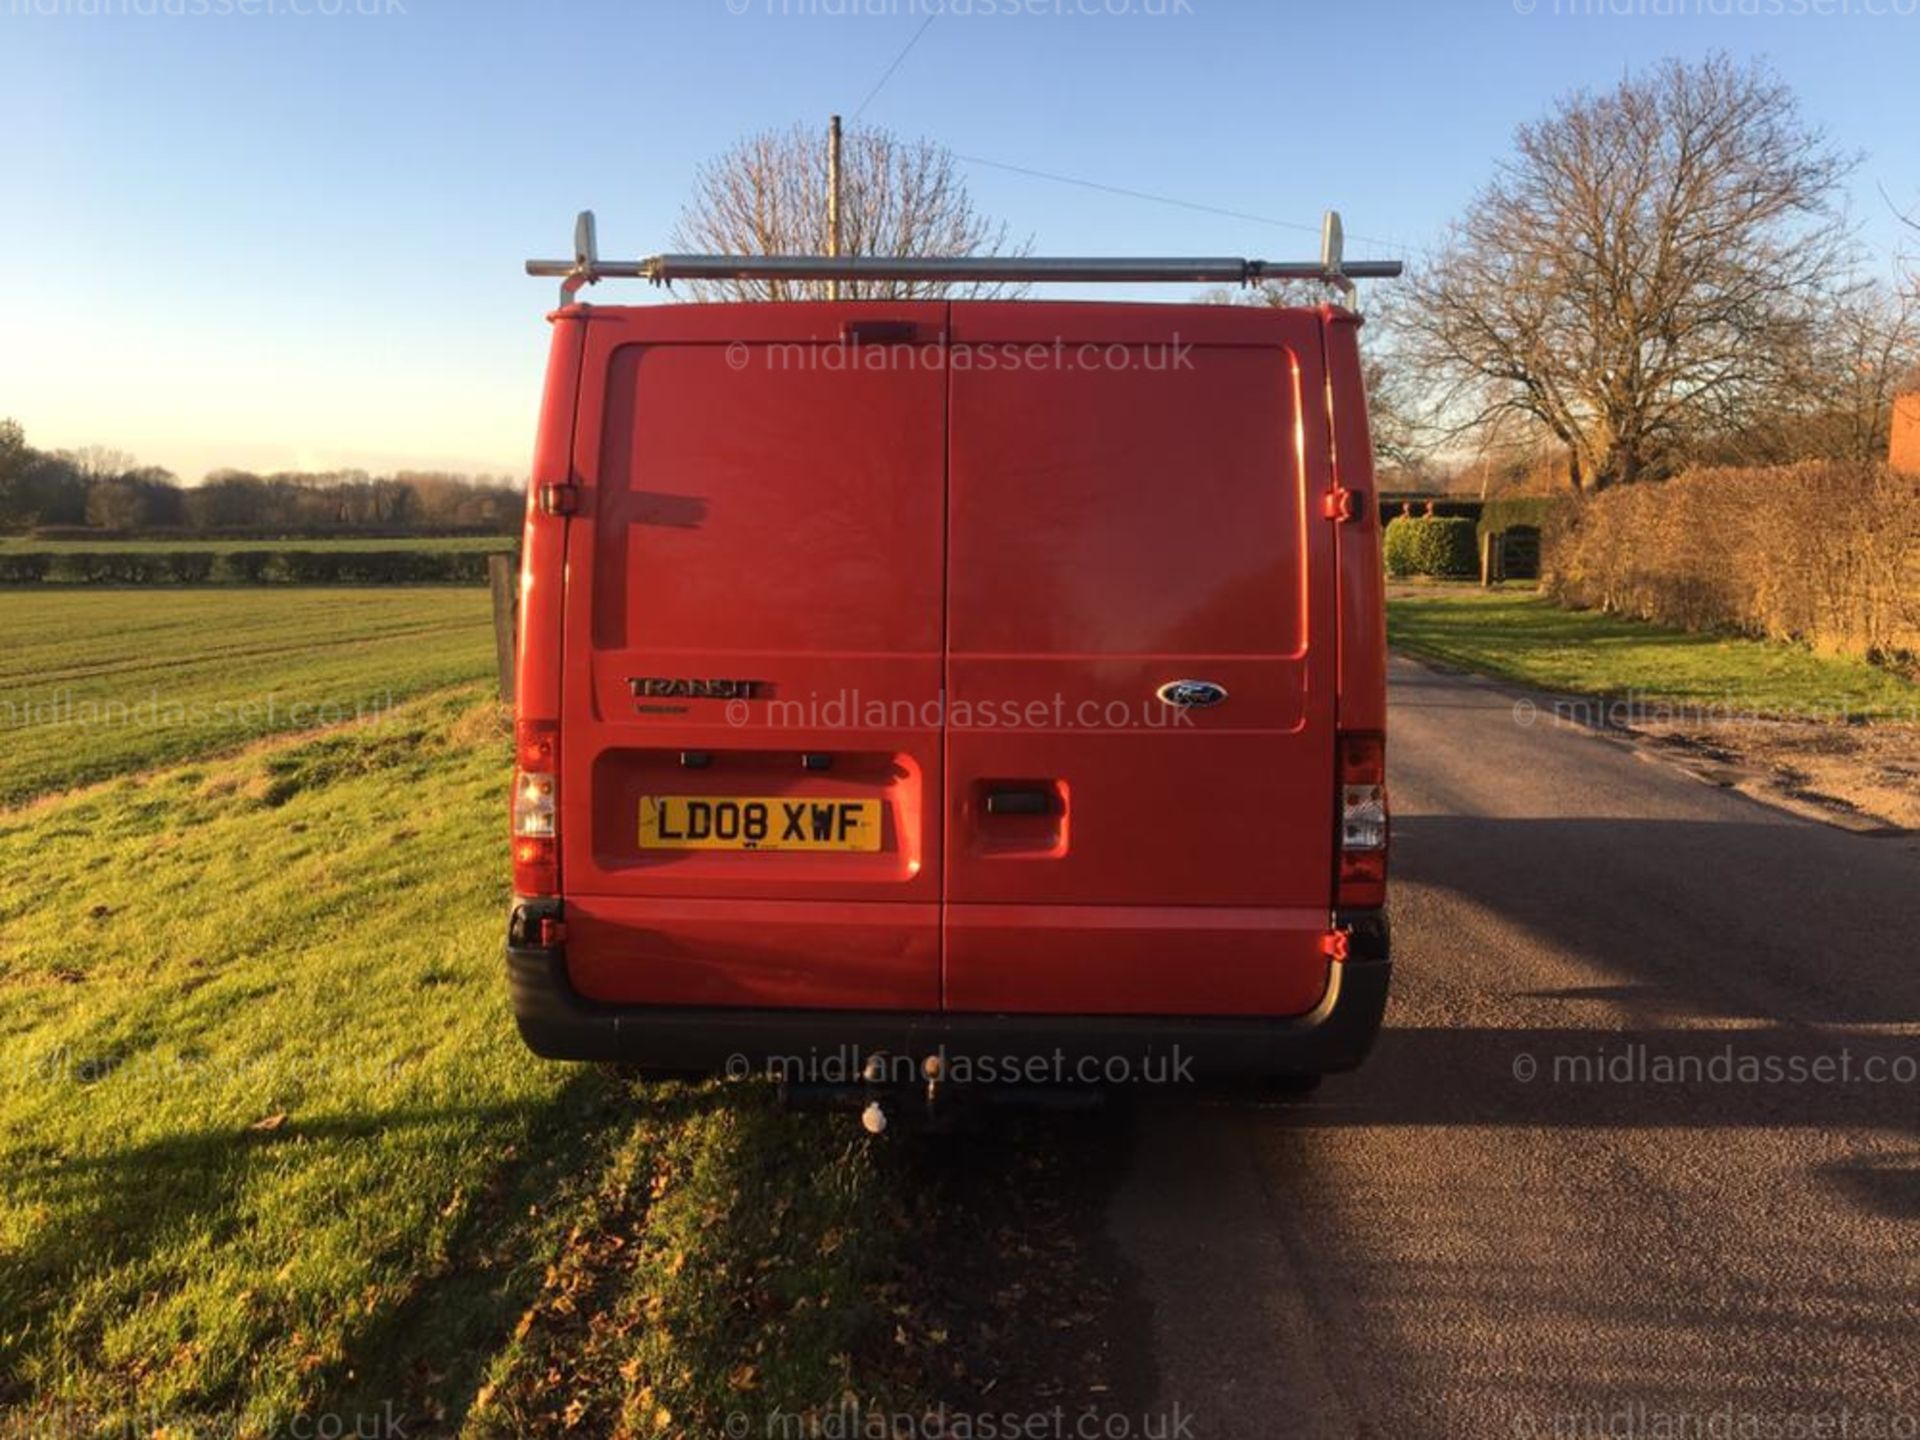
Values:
[(536, 816), (1362, 773)]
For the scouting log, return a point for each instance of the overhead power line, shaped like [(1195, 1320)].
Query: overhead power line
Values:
[(1136, 194), (881, 83), (1171, 200), (1122, 190)]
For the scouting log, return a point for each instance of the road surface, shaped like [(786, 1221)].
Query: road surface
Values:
[(1522, 1218)]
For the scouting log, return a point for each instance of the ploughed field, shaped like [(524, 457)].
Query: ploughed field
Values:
[(100, 683)]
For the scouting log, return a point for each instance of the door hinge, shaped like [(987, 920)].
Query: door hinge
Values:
[(559, 499), (1341, 503)]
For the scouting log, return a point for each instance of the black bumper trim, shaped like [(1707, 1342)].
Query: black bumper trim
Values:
[(557, 1022)]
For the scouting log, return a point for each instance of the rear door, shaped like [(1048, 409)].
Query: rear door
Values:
[(753, 659), (1134, 500)]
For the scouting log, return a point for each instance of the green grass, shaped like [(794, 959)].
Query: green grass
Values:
[(1521, 636), (275, 1157), (723, 1266), (27, 544), (99, 683)]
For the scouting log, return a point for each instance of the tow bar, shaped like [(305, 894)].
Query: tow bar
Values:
[(933, 1101), (878, 1096)]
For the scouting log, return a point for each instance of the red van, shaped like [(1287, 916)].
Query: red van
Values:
[(952, 681)]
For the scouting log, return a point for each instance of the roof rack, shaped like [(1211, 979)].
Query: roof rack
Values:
[(587, 268)]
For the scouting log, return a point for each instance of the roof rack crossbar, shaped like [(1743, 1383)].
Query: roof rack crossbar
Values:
[(586, 267)]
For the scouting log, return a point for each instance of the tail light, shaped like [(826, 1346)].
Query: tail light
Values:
[(536, 810), (1362, 770)]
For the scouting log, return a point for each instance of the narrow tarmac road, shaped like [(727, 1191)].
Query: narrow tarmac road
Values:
[(1515, 1221)]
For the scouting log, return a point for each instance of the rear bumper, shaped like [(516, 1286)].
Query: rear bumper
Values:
[(832, 1045)]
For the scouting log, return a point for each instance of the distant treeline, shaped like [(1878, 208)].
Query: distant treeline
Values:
[(106, 492)]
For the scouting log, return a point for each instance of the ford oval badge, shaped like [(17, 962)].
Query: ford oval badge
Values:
[(1192, 694)]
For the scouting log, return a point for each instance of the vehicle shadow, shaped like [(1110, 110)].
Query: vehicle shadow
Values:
[(122, 1208), (1766, 919), (1637, 1078), (1744, 975)]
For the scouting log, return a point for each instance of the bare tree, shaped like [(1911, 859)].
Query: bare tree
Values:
[(1865, 347), (768, 196), (1647, 263), (95, 463), (1836, 399), (134, 499)]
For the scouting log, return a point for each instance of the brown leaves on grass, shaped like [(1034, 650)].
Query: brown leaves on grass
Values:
[(998, 1293)]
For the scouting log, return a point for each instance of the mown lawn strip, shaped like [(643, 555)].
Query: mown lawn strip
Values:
[(1522, 637)]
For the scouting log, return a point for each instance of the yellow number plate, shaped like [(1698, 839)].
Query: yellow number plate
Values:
[(757, 822)]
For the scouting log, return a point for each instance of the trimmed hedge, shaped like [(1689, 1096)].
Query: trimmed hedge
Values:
[(29, 568), (1822, 552), (1513, 512), (1442, 546), (1399, 504), (274, 534), (244, 567)]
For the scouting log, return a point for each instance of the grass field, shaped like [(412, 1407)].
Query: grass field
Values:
[(277, 1163), (1520, 636), (489, 544), (98, 683)]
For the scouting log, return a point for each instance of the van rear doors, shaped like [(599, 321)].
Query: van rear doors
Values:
[(869, 613)]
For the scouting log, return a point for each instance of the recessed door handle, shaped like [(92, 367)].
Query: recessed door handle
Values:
[(879, 332), (1020, 802)]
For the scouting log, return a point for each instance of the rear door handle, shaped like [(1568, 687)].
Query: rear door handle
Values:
[(879, 332), (1019, 802)]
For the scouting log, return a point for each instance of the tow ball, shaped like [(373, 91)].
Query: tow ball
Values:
[(876, 1075), (886, 1088)]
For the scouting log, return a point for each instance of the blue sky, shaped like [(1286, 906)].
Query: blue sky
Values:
[(275, 238)]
